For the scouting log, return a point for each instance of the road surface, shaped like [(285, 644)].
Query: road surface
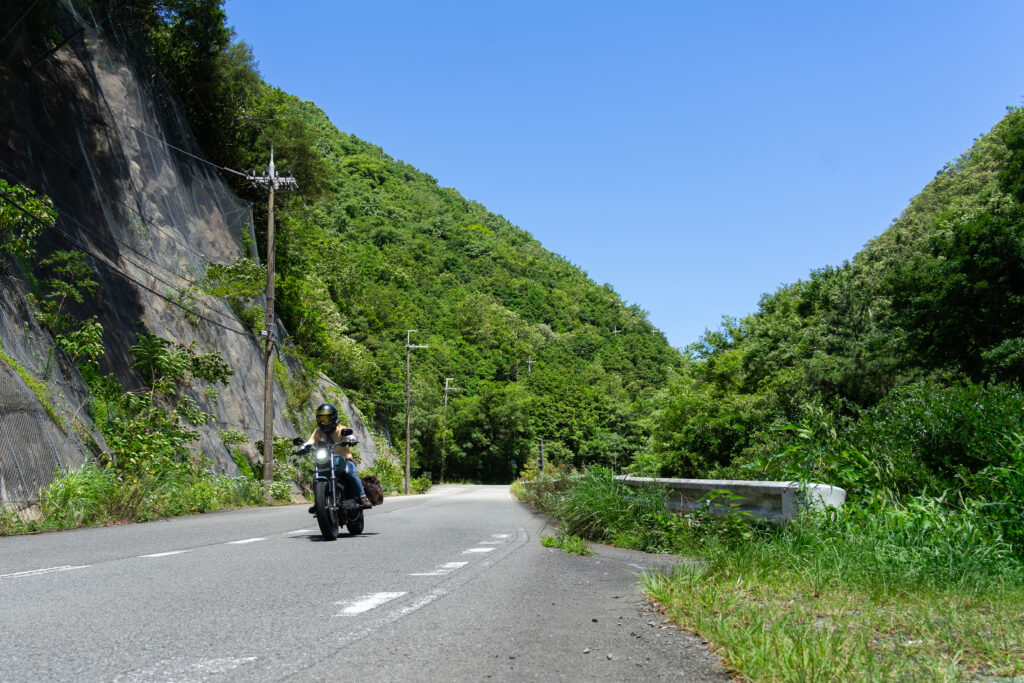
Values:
[(452, 585)]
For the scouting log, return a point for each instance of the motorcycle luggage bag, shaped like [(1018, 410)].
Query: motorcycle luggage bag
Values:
[(374, 491)]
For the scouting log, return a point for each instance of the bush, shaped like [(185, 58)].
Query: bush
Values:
[(542, 490), (81, 497), (597, 506), (390, 475), (937, 436), (1002, 488)]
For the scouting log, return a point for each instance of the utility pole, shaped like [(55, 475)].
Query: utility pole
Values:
[(272, 182), (409, 346), (444, 415)]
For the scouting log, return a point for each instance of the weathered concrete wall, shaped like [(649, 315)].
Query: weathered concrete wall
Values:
[(777, 501)]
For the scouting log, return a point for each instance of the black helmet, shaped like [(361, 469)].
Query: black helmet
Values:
[(326, 417)]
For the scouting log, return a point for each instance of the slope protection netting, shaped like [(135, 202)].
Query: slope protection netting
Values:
[(132, 191)]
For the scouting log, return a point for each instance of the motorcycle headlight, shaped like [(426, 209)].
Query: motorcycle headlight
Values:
[(321, 456)]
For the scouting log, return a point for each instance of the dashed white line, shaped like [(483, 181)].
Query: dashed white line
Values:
[(246, 540), (446, 568), (48, 570), (172, 552), (298, 531), (368, 602), (422, 602), (477, 550)]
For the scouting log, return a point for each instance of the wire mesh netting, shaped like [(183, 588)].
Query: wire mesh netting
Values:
[(32, 446), (95, 130)]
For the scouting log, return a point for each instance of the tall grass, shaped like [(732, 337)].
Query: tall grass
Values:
[(915, 589), (95, 495)]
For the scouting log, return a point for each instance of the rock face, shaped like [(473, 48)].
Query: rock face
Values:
[(82, 126)]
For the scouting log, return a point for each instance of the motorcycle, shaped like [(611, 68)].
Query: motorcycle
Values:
[(333, 503)]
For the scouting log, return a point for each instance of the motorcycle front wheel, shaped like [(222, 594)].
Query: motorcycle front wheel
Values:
[(325, 517)]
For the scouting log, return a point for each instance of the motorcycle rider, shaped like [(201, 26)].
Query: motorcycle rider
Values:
[(328, 428)]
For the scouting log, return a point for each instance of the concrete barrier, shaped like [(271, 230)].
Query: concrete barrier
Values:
[(777, 501)]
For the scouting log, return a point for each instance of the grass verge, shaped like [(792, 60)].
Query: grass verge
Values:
[(917, 589)]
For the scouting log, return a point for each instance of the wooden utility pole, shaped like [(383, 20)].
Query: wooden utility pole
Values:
[(409, 346), (272, 181), (444, 415)]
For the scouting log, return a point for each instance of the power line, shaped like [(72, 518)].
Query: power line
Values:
[(247, 206), (20, 19), (179, 149), (113, 241), (4, 195)]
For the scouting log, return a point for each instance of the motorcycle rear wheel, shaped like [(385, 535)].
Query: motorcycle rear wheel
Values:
[(355, 526), (325, 518)]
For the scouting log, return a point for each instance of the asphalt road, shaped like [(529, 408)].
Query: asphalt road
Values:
[(452, 585)]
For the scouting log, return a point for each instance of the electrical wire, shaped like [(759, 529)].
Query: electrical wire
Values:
[(179, 149), (114, 242), (164, 229), (85, 249), (20, 19)]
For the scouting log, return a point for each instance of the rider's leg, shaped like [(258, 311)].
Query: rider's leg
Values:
[(354, 482)]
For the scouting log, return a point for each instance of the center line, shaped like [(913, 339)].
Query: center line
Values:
[(172, 552), (246, 540), (443, 569), (37, 572), (369, 602), (477, 550)]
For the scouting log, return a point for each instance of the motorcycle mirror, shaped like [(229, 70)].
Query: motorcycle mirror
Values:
[(297, 441), (345, 431)]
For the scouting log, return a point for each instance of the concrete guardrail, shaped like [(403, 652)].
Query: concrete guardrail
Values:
[(776, 501)]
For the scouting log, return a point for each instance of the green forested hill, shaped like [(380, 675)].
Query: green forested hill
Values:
[(371, 247), (529, 340), (899, 368)]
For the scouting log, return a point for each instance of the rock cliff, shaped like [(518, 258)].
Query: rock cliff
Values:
[(83, 126)]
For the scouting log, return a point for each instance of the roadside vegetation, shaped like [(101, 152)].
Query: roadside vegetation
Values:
[(896, 375), (920, 588)]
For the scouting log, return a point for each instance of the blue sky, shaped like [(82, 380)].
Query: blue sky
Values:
[(692, 155)]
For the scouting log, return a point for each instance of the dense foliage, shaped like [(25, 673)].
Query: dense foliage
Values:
[(899, 371), (370, 248), (928, 316)]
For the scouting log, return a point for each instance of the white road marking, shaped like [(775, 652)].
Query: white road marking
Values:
[(369, 602), (422, 602), (172, 552), (299, 531), (246, 540), (180, 670), (48, 570), (477, 550), (443, 569), (501, 535)]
